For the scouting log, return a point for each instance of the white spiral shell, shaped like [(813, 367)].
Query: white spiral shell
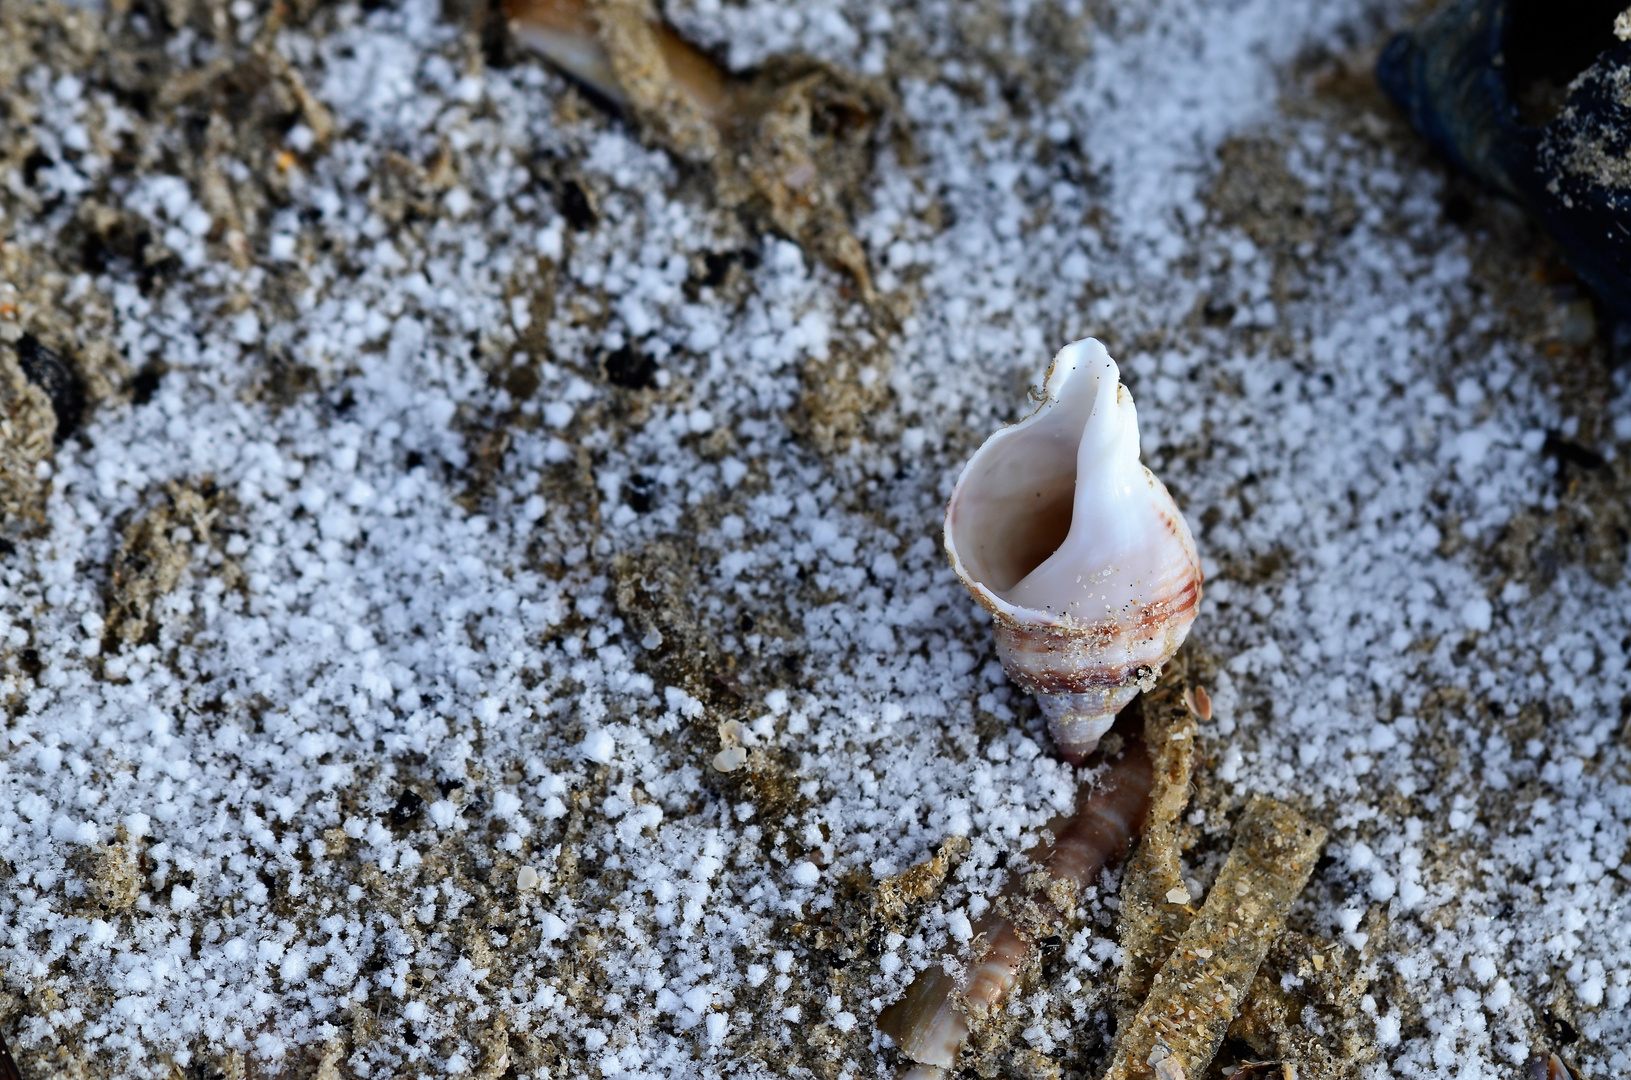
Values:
[(1076, 549)]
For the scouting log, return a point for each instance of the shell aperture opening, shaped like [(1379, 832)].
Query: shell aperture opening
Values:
[(1048, 516)]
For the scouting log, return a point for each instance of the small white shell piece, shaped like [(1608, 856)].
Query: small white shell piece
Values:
[(1076, 549)]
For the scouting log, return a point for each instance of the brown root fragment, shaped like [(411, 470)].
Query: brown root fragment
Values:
[(1155, 909), (1199, 989), (932, 1022), (581, 36)]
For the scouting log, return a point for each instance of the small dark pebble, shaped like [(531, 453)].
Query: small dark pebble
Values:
[(717, 265), (630, 369), (156, 271), (8, 1066), (145, 384), (1051, 942), (48, 371), (33, 164), (573, 203), (407, 807), (1562, 1030), (1569, 452), (640, 493)]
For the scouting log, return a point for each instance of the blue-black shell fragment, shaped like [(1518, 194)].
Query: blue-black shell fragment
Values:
[(1459, 76)]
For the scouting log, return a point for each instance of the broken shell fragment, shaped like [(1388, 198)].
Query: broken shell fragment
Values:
[(1474, 77), (730, 759), (569, 34), (792, 143), (1077, 550), (1548, 1067)]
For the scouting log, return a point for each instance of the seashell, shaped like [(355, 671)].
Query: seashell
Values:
[(1548, 1067), (1480, 80), (1077, 550)]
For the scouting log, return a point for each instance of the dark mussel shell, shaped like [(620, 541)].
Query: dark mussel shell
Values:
[(1584, 168), (1534, 100)]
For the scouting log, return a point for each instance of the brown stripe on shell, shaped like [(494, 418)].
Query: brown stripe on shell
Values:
[(1050, 658)]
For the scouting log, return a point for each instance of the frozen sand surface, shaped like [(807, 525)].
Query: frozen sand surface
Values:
[(464, 606)]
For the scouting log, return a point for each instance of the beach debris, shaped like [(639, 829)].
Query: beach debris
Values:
[(47, 370), (115, 879), (933, 1019), (28, 426), (791, 145), (1200, 703), (1200, 987), (918, 882), (1264, 1070), (621, 52), (734, 738), (1536, 109), (1077, 550), (156, 548), (1306, 1008), (1155, 909)]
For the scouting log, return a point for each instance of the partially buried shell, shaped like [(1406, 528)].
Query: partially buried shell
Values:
[(1077, 550)]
